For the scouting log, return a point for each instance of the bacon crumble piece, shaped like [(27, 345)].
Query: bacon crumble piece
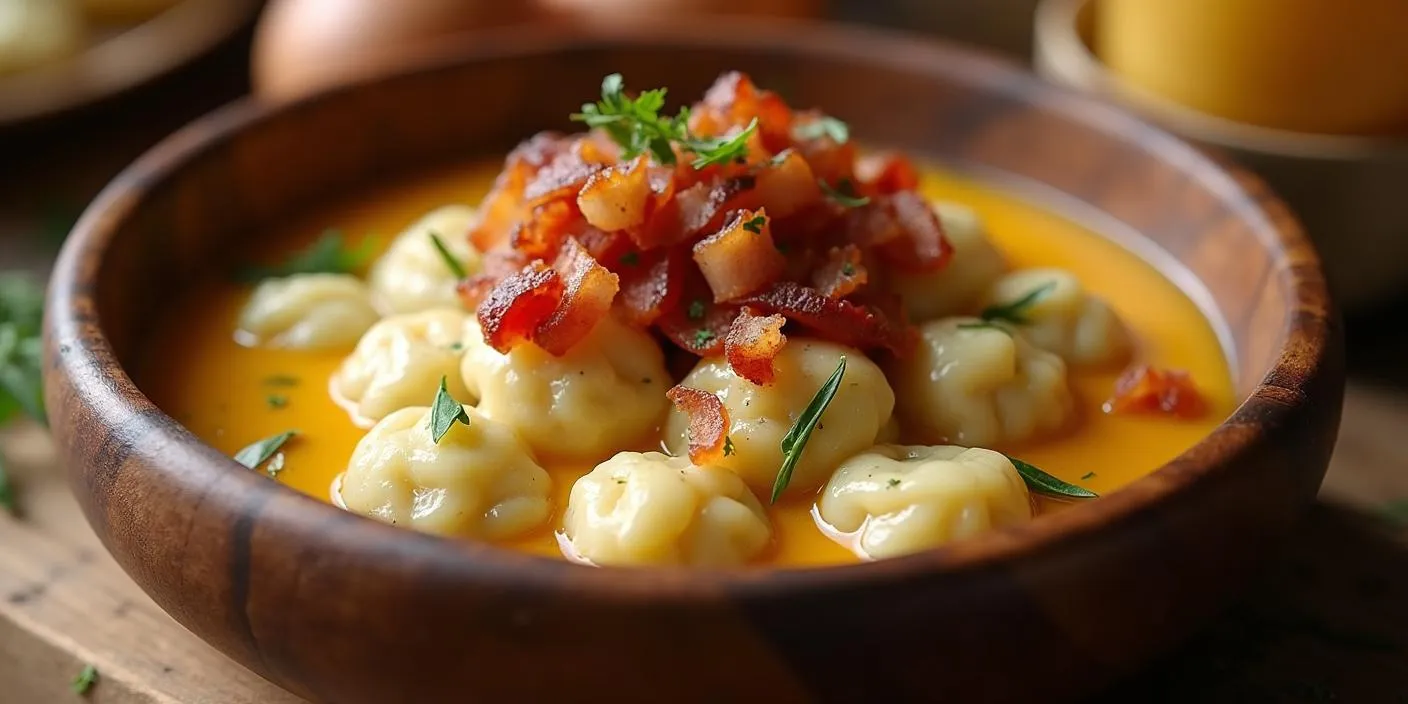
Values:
[(753, 342), (1146, 389), (652, 286), (616, 197), (741, 258), (886, 174), (786, 185), (503, 207), (698, 325), (857, 325), (842, 274), (587, 292), (904, 231), (708, 423), (517, 305)]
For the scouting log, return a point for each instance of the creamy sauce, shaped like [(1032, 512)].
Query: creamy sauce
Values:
[(219, 389)]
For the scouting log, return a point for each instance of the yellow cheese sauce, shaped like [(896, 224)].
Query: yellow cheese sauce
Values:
[(197, 373)]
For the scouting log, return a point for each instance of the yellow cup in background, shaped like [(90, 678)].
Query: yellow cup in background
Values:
[(1325, 66)]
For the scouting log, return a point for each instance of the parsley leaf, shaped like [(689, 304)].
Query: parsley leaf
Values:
[(21, 350), (276, 401), (281, 380), (451, 263), (328, 255), (1043, 483), (720, 150), (703, 337), (1016, 311), (638, 127), (85, 680), (844, 194), (728, 446), (825, 126), (7, 495), (755, 224), (630, 259), (260, 451), (445, 411), (795, 441), (696, 310)]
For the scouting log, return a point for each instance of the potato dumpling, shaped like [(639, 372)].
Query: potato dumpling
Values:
[(37, 32), (653, 509), (899, 499), (1063, 318), (606, 393), (400, 362), (308, 312), (412, 276), (480, 481), (975, 383), (760, 415), (955, 289)]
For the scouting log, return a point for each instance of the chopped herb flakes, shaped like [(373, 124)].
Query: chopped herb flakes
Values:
[(703, 337), (259, 452), (728, 446), (276, 401), (755, 224), (1087, 475), (696, 310), (638, 127), (281, 380), (84, 681), (826, 126), (844, 194), (630, 259), (892, 483)]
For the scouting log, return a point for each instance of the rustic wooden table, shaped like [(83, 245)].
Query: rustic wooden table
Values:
[(1327, 622)]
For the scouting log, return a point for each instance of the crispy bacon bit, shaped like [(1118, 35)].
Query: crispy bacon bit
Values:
[(588, 289), (520, 303), (903, 229), (786, 185), (708, 423), (503, 207), (741, 258), (1145, 389), (842, 274), (702, 334), (541, 235), (651, 286), (857, 325), (884, 174), (615, 198), (565, 175), (753, 342)]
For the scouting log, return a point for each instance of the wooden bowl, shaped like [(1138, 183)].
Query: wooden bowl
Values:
[(1347, 190), (336, 607)]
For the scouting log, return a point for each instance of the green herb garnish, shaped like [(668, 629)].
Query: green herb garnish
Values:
[(1016, 311), (445, 411), (844, 194), (84, 681), (276, 401), (451, 263), (892, 483), (984, 325), (848, 269), (328, 255), (259, 452), (696, 310), (21, 350), (826, 126), (795, 441), (728, 446), (281, 380), (1043, 483), (703, 337), (630, 259), (1087, 475), (7, 495), (638, 127), (755, 224)]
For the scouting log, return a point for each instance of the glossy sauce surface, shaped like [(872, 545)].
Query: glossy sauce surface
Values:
[(220, 390)]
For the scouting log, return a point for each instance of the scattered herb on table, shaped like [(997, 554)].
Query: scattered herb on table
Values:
[(795, 441), (84, 681), (1048, 485), (21, 360), (260, 451), (1016, 311), (445, 411), (330, 254)]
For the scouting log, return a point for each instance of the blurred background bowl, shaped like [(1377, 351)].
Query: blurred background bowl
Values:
[(1351, 192)]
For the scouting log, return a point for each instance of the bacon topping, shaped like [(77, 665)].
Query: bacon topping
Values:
[(741, 258), (708, 423), (753, 342)]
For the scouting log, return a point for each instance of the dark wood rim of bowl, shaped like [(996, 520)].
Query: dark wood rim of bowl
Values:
[(79, 355)]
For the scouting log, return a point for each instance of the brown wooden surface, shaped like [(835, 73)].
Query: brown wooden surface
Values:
[(345, 609)]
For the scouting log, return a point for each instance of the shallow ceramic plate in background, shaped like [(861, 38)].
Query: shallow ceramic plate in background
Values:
[(340, 608), (122, 60)]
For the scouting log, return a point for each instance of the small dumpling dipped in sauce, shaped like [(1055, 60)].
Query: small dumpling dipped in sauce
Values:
[(653, 509), (895, 499), (977, 383), (308, 312), (413, 275), (761, 415), (1053, 310), (956, 288), (607, 392), (400, 362), (479, 481)]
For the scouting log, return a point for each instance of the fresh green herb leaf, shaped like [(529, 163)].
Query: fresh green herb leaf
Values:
[(984, 325), (281, 380), (795, 441), (84, 681), (696, 310), (892, 483), (328, 255), (21, 350), (728, 446), (844, 194), (720, 150), (451, 263), (703, 337), (7, 495), (1087, 475), (826, 126), (1043, 483), (445, 411), (1016, 311), (259, 452), (755, 224), (276, 401), (276, 465), (630, 259), (457, 346), (848, 269)]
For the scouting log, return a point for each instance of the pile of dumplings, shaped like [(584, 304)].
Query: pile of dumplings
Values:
[(970, 384)]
